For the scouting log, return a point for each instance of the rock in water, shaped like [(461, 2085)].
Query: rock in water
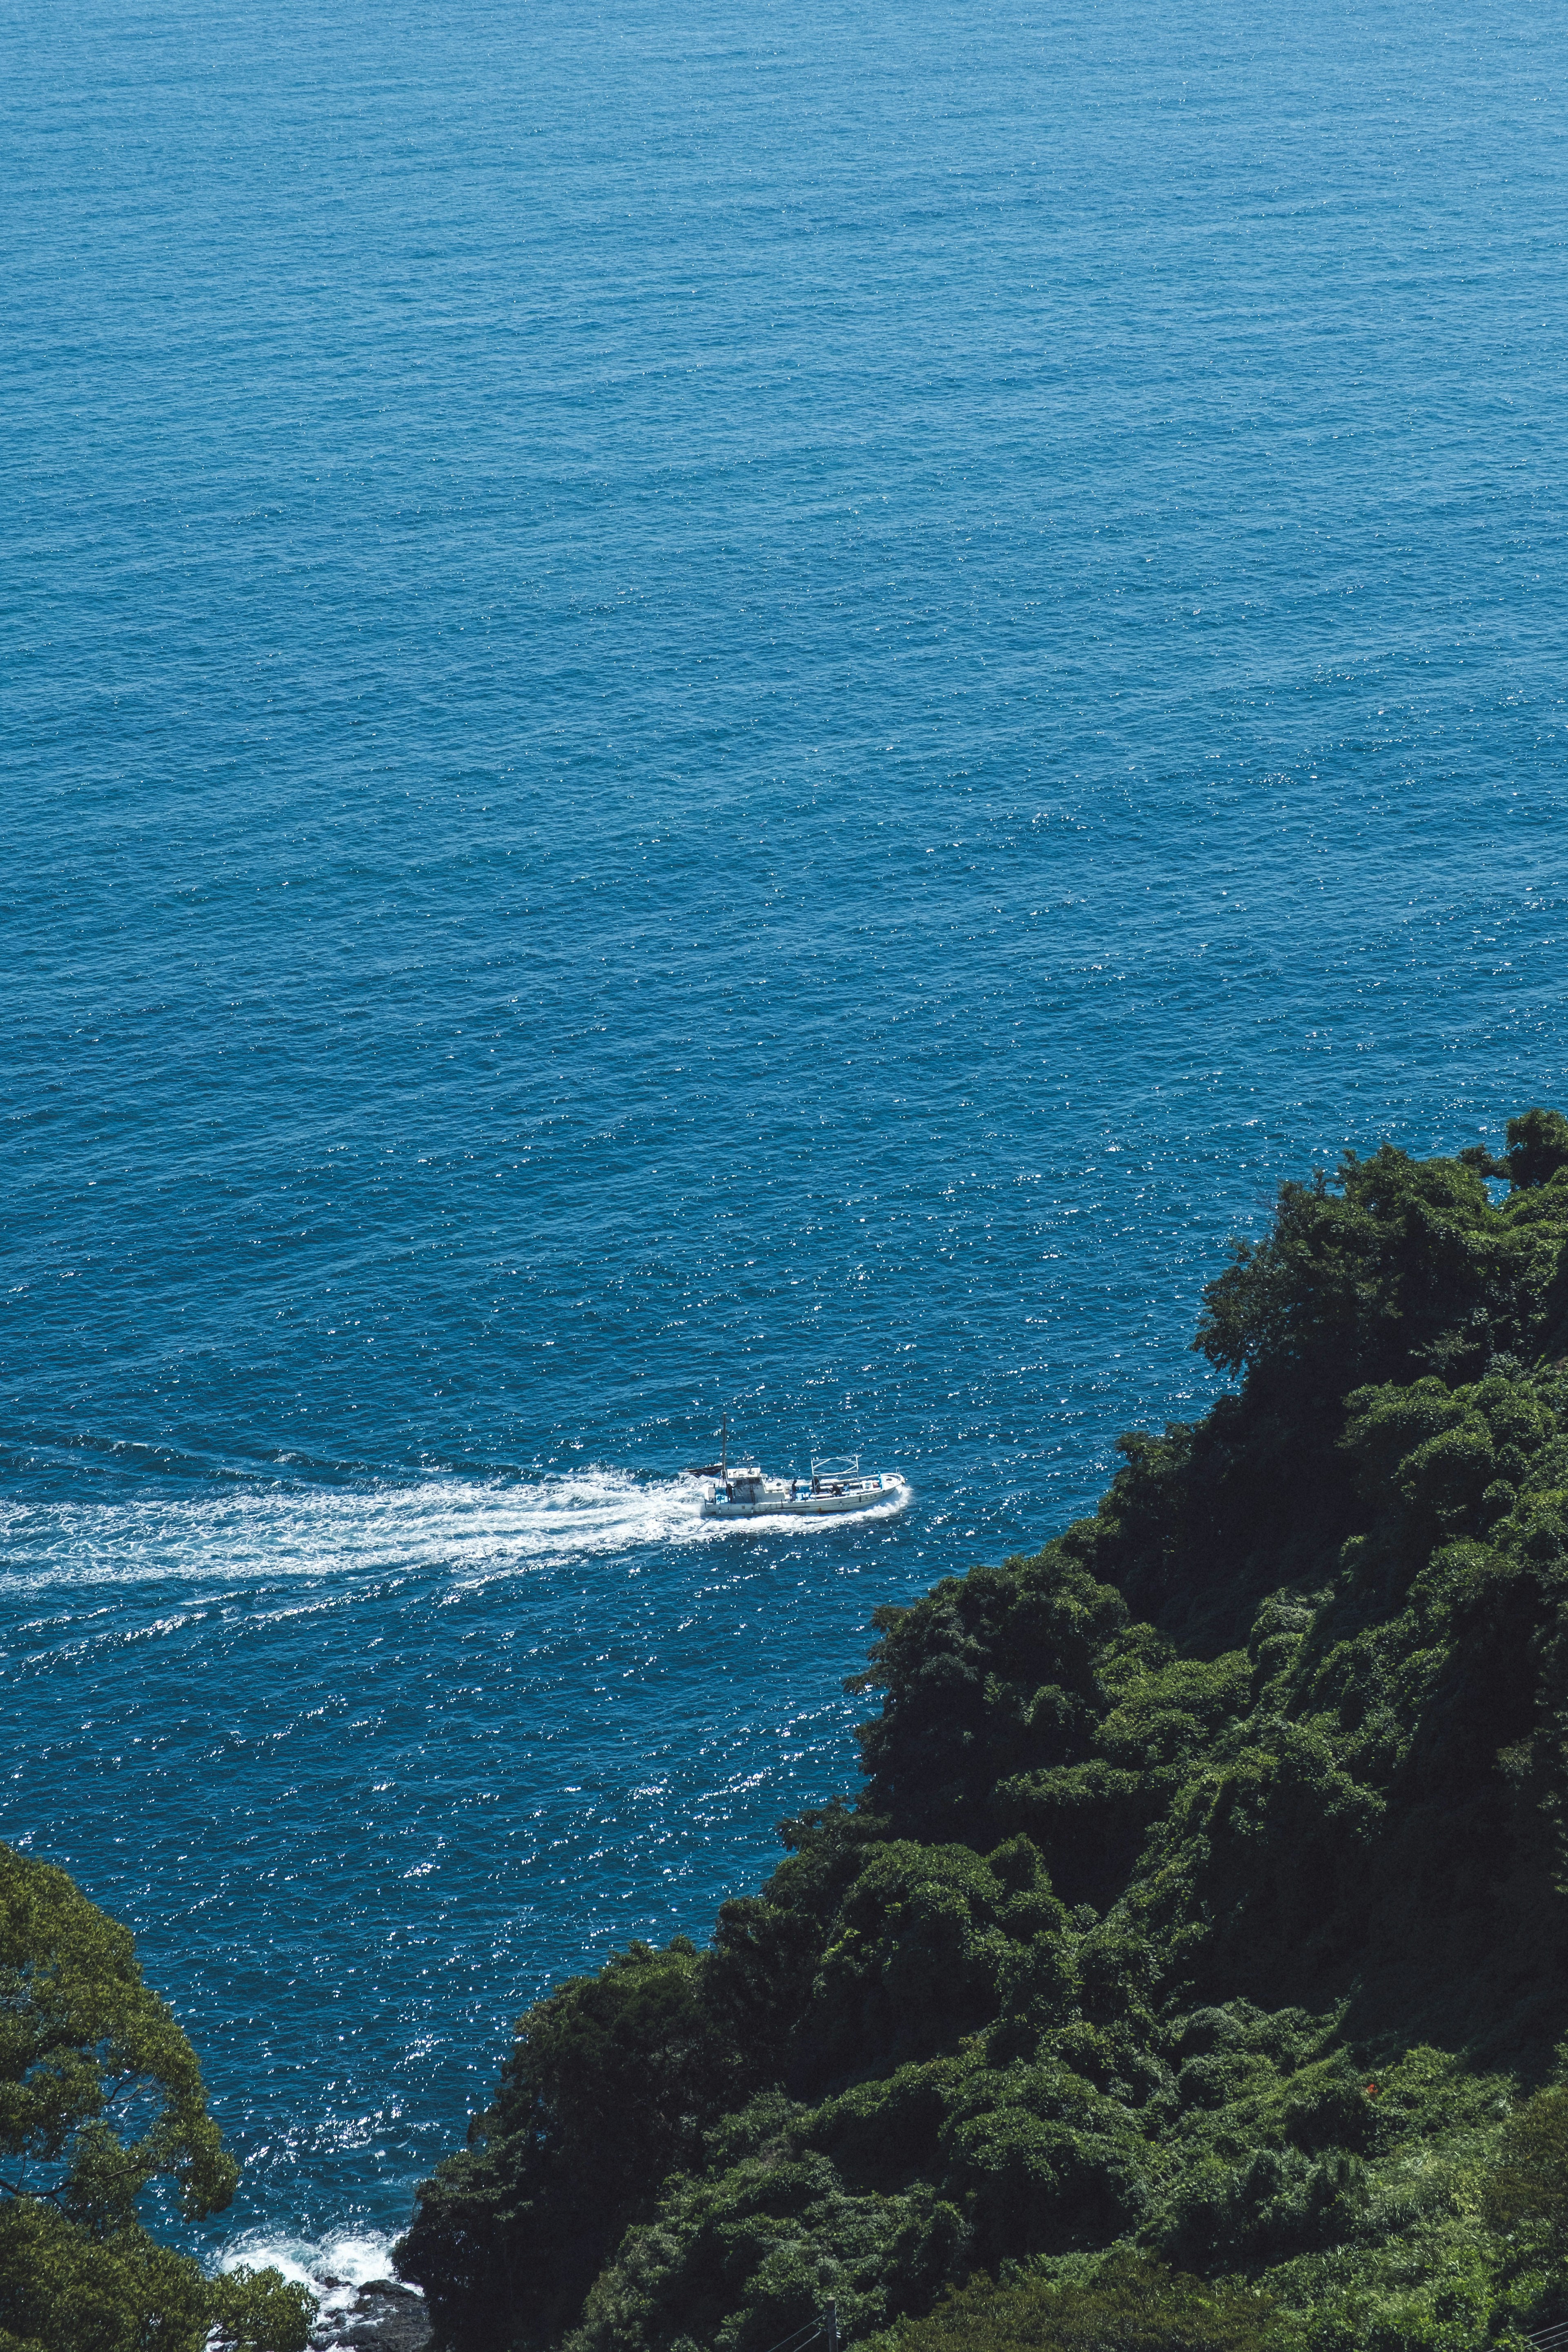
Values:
[(383, 2317)]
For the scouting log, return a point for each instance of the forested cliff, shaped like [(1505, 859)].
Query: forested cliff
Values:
[(1194, 1959)]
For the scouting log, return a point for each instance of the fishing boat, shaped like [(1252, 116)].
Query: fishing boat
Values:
[(836, 1487)]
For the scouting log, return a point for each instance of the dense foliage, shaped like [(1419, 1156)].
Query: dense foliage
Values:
[(1192, 1968), (101, 2104), (1125, 2303)]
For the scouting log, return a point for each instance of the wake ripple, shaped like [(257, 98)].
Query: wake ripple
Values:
[(464, 1525)]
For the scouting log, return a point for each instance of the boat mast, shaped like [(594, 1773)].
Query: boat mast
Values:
[(724, 1447)]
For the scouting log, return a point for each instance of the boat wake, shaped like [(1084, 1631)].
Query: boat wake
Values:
[(265, 1533)]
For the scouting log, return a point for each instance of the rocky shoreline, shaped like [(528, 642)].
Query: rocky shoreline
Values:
[(381, 2315)]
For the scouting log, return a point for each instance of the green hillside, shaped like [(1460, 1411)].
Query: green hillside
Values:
[(1192, 1968)]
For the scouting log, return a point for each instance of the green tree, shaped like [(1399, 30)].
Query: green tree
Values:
[(610, 2085), (1132, 2306), (1537, 1148), (100, 2102), (1531, 2183)]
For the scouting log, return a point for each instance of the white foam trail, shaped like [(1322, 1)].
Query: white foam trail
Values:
[(265, 1533), (313, 1530)]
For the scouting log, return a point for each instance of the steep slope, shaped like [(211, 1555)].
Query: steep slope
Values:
[(1204, 1899)]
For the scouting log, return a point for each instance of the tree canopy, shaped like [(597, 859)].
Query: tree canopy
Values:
[(101, 2106)]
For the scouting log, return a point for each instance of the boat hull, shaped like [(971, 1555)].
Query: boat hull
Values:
[(864, 1495)]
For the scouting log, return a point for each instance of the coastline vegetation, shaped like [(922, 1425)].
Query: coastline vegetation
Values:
[(1192, 1970), (103, 2114), (1191, 1974)]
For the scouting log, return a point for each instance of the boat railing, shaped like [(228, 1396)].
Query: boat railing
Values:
[(834, 1466)]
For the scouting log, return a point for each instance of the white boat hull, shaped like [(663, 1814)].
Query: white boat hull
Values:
[(832, 1500)]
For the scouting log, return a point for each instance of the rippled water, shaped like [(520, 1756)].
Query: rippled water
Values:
[(708, 707)]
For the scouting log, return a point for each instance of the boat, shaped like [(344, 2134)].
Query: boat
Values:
[(836, 1487)]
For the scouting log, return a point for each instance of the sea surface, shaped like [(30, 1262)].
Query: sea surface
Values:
[(708, 707)]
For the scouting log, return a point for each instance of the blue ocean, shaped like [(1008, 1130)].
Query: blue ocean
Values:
[(710, 708)]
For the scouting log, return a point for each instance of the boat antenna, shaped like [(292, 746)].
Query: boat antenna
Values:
[(724, 1446)]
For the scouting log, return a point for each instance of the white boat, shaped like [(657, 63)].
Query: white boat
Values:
[(838, 1485)]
